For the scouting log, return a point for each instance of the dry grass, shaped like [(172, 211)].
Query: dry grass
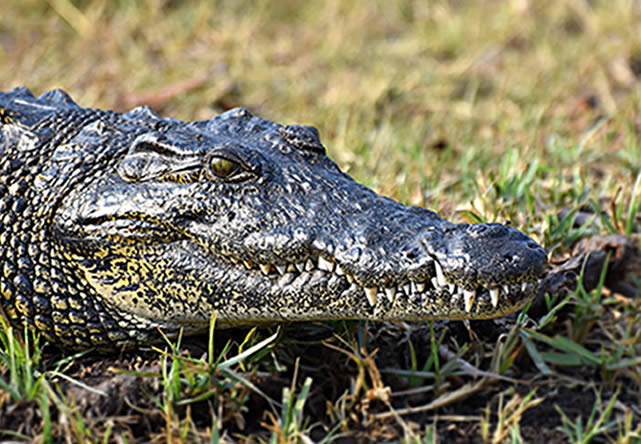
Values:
[(514, 111)]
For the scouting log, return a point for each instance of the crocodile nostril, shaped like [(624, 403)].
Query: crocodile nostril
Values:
[(532, 245)]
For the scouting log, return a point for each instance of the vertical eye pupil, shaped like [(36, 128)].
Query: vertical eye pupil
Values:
[(221, 167)]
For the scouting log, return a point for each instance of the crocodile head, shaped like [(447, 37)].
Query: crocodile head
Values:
[(251, 219)]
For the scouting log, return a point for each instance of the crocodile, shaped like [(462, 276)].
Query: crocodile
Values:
[(120, 227)]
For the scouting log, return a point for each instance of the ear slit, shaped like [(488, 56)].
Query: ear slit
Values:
[(154, 147)]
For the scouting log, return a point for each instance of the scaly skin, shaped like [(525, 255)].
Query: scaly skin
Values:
[(115, 225)]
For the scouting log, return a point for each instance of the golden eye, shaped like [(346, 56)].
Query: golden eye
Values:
[(221, 167)]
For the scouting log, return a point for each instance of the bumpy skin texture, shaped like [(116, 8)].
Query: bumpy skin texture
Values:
[(115, 225)]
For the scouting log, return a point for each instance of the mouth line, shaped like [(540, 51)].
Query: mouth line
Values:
[(126, 226), (415, 291)]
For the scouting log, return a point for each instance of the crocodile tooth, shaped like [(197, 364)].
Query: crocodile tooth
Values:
[(435, 283), (265, 268), (291, 268), (407, 288), (300, 266), (324, 264), (350, 278), (452, 288), (309, 265), (413, 286), (523, 286), (506, 289), (248, 264), (339, 270), (494, 296), (371, 292), (282, 269), (420, 286), (468, 297), (390, 292), (440, 277)]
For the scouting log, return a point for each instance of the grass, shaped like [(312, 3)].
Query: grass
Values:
[(527, 112), (21, 381)]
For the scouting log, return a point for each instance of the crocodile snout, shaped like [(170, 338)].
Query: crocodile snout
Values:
[(489, 254)]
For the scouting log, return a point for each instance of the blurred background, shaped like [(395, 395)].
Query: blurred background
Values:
[(411, 97)]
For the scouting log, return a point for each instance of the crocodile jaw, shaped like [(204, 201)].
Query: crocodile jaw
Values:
[(304, 291), (284, 246)]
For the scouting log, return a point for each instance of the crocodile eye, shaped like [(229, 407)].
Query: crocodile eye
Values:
[(221, 167)]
